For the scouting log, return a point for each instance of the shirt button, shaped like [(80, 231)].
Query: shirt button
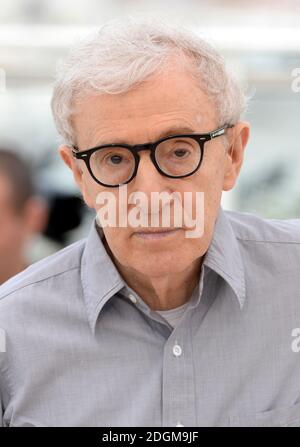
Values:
[(179, 424), (132, 298), (177, 351)]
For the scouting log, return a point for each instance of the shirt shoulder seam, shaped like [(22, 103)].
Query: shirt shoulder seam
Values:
[(37, 281), (267, 241)]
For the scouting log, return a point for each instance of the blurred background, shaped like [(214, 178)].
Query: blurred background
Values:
[(259, 39)]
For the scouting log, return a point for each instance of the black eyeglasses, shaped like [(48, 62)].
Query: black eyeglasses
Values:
[(176, 156)]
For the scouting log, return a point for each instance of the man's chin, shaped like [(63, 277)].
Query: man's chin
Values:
[(158, 267)]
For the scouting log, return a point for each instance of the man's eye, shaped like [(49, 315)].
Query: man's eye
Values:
[(115, 159), (181, 153)]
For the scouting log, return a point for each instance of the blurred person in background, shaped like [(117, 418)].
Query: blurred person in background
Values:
[(22, 213)]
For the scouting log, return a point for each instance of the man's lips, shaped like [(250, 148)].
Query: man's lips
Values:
[(156, 233)]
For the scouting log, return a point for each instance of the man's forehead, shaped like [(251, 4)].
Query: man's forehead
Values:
[(93, 128), (153, 107), (124, 135), (179, 93)]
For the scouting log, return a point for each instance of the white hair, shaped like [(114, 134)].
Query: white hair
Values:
[(125, 52)]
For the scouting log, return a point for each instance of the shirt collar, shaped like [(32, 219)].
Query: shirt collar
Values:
[(224, 256), (101, 279)]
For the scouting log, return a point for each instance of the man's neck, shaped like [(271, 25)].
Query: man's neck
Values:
[(160, 292), (163, 292)]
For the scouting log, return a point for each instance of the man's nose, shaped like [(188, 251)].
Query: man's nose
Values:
[(148, 178)]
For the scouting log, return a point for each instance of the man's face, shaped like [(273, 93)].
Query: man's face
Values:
[(167, 101)]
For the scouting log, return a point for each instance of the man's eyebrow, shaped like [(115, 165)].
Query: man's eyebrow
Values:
[(165, 133), (175, 131)]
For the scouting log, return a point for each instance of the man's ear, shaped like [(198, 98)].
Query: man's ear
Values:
[(65, 153), (235, 154), (78, 174)]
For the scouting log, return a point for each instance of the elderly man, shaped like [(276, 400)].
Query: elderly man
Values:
[(148, 325)]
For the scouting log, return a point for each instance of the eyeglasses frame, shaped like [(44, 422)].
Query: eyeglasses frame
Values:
[(201, 139)]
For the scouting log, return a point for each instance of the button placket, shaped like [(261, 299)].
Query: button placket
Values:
[(178, 379)]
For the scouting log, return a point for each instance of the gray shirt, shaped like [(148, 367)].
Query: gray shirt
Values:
[(83, 349)]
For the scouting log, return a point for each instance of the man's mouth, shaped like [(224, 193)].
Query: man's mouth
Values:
[(156, 233)]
